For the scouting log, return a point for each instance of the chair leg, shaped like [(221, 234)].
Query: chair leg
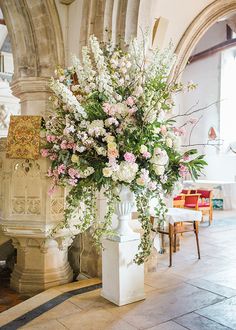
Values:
[(174, 234), (170, 243), (195, 225), (210, 216)]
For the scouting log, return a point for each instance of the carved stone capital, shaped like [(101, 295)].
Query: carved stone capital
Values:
[(23, 86)]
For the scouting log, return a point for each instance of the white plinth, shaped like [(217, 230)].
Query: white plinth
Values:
[(122, 279)]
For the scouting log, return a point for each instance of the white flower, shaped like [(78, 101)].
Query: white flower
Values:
[(160, 157), (159, 169), (89, 170), (68, 98), (96, 127), (107, 172), (143, 149), (169, 142), (126, 172), (101, 151)]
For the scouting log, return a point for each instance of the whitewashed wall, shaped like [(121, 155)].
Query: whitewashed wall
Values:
[(207, 74)]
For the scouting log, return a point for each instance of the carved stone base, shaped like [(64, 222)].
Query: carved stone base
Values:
[(41, 264)]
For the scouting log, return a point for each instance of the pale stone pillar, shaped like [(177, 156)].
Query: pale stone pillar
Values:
[(33, 93), (27, 213)]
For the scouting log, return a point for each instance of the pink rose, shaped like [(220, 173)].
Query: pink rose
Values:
[(130, 101), (63, 145), (44, 152), (53, 157), (146, 154), (129, 157), (61, 169), (51, 138)]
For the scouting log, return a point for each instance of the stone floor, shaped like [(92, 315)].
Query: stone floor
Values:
[(193, 294), (8, 297)]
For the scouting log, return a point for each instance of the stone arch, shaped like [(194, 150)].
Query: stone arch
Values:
[(210, 15), (35, 35)]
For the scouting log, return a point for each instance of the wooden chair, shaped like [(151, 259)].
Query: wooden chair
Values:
[(206, 205), (201, 201), (191, 201), (178, 228), (178, 201)]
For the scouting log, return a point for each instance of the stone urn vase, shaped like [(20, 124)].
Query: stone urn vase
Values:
[(123, 210)]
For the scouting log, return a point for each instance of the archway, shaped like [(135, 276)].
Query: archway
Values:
[(197, 28)]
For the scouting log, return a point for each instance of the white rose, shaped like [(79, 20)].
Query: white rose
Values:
[(107, 172), (143, 149), (159, 169)]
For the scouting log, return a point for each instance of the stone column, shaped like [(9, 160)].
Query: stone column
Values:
[(27, 212), (33, 93)]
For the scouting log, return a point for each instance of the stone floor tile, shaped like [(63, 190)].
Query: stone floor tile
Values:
[(119, 325), (226, 278), (162, 307), (90, 299), (221, 290), (168, 326), (194, 321), (94, 319), (49, 325), (158, 281), (65, 308), (223, 312)]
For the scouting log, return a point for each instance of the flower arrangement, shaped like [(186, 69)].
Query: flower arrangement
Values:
[(111, 125)]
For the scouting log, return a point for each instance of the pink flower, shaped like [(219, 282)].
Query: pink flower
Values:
[(163, 129), (179, 131), (152, 185), (51, 138), (132, 110), (44, 152), (63, 145), (106, 107), (183, 170), (53, 157), (61, 169), (129, 157), (146, 154), (73, 173), (49, 172), (130, 101), (72, 182), (186, 157)]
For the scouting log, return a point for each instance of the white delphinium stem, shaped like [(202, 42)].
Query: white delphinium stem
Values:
[(79, 70), (67, 97), (89, 73), (103, 78)]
